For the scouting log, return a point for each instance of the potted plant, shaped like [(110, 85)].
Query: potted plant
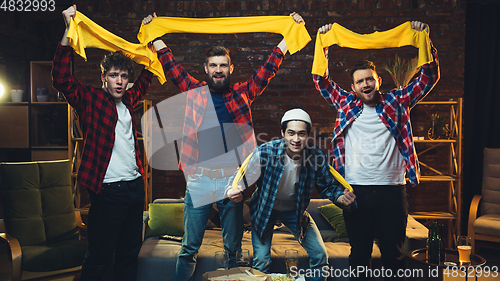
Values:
[(402, 71), (18, 79)]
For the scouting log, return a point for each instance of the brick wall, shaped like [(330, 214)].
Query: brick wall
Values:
[(292, 86)]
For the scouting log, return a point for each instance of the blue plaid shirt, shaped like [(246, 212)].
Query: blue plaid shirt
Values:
[(314, 171)]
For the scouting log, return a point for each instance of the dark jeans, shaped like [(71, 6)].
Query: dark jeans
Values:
[(114, 227), (382, 213)]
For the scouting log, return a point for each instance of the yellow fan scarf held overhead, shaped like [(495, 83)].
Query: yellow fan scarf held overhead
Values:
[(244, 167), (84, 33), (296, 35), (402, 35)]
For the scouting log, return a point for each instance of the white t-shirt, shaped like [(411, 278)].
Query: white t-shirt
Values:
[(286, 197), (372, 155), (122, 165)]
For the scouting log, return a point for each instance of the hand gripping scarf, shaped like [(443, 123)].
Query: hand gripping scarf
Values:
[(402, 35), (84, 33), (296, 35)]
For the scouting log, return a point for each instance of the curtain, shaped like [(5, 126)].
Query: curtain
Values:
[(482, 94)]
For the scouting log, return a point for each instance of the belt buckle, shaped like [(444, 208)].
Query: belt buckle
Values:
[(218, 173), (211, 173)]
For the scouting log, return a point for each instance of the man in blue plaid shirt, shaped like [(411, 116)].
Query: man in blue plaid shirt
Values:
[(285, 172)]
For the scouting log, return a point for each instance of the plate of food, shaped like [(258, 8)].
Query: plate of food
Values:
[(284, 277)]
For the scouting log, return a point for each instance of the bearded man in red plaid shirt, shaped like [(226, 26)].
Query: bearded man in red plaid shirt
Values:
[(208, 169), (373, 150), (110, 167)]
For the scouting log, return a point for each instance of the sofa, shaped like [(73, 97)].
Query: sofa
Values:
[(157, 257)]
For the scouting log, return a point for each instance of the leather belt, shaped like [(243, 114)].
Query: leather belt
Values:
[(217, 173)]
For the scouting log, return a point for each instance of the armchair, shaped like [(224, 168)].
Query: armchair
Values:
[(485, 225), (40, 225)]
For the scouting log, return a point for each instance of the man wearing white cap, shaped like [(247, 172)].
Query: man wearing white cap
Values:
[(289, 169)]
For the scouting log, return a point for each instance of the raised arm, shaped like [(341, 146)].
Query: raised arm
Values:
[(157, 44), (179, 76), (67, 15), (258, 82), (416, 90), (298, 19), (328, 89), (62, 79)]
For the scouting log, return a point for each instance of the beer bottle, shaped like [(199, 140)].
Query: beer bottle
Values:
[(442, 236), (433, 245)]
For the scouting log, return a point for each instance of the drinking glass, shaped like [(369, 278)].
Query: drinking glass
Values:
[(464, 247), (292, 263), (243, 258), (221, 260)]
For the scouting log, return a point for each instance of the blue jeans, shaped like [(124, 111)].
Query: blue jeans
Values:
[(312, 243), (195, 221), (114, 227)]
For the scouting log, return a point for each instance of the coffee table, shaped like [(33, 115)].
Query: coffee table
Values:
[(417, 260)]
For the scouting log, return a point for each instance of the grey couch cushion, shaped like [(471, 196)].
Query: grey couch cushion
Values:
[(488, 224), (490, 203)]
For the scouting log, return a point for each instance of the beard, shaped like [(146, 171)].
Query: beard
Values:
[(218, 86), (370, 101)]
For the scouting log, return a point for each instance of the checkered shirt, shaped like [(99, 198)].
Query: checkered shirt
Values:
[(393, 109), (314, 172), (97, 113), (237, 100)]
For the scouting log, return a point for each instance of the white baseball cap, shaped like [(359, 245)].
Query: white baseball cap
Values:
[(296, 114)]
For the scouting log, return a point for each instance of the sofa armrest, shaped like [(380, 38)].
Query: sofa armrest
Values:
[(2, 226), (145, 218), (474, 207), (168, 200), (416, 229), (79, 221), (416, 235), (15, 251)]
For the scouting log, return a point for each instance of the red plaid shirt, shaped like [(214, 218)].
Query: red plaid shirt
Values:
[(237, 99), (393, 109), (96, 109)]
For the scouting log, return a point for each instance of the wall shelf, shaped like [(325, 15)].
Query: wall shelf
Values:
[(14, 118), (40, 77), (444, 167), (14, 103), (37, 130)]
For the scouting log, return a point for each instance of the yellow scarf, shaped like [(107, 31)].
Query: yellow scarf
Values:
[(244, 167), (84, 33), (402, 35), (296, 35)]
